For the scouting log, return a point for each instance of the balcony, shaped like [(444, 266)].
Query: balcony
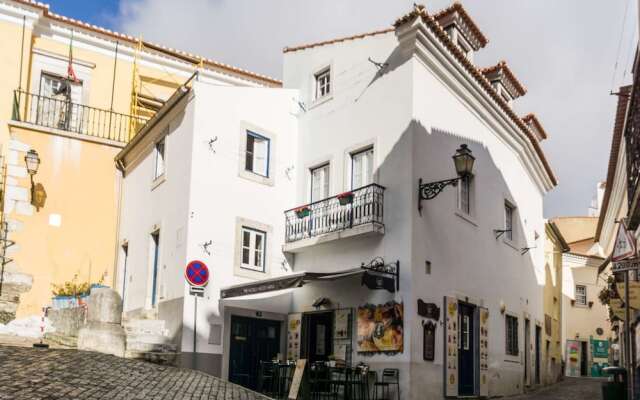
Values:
[(61, 114), (334, 218)]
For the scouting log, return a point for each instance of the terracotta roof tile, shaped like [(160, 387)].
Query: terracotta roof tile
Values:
[(420, 11), (502, 65), (532, 119), (185, 56), (338, 40), (457, 7), (618, 126)]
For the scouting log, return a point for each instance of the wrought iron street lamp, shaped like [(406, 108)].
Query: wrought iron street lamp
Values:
[(38, 194), (463, 161)]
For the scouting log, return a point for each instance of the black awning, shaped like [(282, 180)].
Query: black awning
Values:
[(285, 282)]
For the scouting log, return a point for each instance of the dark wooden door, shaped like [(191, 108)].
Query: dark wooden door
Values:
[(252, 340), (466, 350), (537, 354), (318, 336)]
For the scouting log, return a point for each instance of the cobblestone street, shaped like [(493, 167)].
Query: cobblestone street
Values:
[(568, 389), (38, 374)]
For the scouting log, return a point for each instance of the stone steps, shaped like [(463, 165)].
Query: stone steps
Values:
[(149, 339)]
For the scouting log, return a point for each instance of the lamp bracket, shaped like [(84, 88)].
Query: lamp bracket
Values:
[(428, 191)]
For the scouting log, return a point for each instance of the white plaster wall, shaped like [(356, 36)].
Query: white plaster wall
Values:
[(146, 206), (218, 195), (416, 122)]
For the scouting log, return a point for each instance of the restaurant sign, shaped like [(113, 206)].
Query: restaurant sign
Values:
[(626, 265)]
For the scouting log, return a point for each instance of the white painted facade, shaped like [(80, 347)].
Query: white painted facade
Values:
[(414, 110), (202, 197)]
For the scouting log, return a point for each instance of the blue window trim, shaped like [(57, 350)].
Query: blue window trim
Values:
[(156, 252), (259, 136)]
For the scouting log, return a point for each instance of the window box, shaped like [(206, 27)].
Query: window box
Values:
[(345, 198), (302, 212)]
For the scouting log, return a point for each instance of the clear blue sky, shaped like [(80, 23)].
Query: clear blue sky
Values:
[(99, 12)]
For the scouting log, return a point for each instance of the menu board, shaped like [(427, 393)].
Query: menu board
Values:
[(451, 346), (294, 324), (484, 352), (296, 381)]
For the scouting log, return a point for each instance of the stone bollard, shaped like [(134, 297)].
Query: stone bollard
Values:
[(103, 332)]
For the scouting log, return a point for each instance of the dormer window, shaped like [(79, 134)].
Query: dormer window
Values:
[(323, 83)]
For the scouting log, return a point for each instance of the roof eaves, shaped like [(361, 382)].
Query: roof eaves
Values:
[(337, 40), (185, 56), (531, 118), (618, 127)]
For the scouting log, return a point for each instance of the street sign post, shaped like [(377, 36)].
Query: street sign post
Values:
[(625, 259), (197, 275)]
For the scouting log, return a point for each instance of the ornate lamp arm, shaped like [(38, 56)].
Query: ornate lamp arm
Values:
[(428, 191)]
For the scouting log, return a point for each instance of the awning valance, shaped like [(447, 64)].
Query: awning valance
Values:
[(295, 280)]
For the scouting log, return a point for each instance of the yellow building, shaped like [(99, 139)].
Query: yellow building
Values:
[(585, 319), (554, 247), (76, 127)]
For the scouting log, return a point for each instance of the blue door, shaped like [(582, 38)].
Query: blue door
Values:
[(154, 282)]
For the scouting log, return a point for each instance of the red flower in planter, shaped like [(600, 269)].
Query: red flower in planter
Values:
[(302, 211), (345, 198)]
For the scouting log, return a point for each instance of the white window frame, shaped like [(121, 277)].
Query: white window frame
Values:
[(322, 83), (581, 299), (514, 349), (366, 169), (252, 153), (325, 185), (466, 182), (509, 221), (160, 159), (252, 249)]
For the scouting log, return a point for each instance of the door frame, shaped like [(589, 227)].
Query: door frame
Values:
[(304, 332), (527, 351), (475, 341)]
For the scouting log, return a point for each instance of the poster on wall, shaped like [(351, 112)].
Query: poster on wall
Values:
[(341, 330), (599, 348), (294, 323), (573, 358), (451, 346), (380, 328), (484, 351)]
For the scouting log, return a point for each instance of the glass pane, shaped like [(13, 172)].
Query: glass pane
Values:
[(249, 153), (258, 241), (245, 255), (258, 259), (356, 172), (246, 238), (260, 156)]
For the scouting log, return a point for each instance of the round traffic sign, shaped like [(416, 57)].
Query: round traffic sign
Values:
[(197, 273)]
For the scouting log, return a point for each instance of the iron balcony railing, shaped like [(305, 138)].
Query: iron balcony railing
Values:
[(60, 113), (337, 213)]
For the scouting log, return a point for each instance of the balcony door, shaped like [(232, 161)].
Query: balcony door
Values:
[(320, 217), (58, 103)]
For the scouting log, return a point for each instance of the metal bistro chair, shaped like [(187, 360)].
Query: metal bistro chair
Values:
[(322, 386), (267, 378), (390, 377), (284, 378), (359, 383)]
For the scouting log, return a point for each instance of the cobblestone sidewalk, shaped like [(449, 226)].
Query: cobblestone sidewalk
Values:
[(39, 374), (568, 389)]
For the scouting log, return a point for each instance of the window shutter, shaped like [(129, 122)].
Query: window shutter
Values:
[(451, 347), (484, 352)]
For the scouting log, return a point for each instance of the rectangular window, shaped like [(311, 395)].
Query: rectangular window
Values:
[(257, 154), (508, 220), (253, 249), (53, 107), (362, 168), (159, 156), (511, 335), (320, 183), (323, 83), (464, 194), (581, 295)]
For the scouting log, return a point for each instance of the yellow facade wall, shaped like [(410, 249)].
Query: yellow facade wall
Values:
[(82, 188), (552, 305)]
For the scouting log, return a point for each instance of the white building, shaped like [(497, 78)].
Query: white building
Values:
[(368, 116)]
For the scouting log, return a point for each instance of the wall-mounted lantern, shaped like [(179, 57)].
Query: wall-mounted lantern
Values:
[(38, 194), (463, 161)]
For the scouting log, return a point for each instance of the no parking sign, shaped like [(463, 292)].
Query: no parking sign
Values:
[(197, 274)]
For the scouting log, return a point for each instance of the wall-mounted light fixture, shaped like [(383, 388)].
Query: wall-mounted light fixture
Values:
[(463, 161), (38, 194)]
